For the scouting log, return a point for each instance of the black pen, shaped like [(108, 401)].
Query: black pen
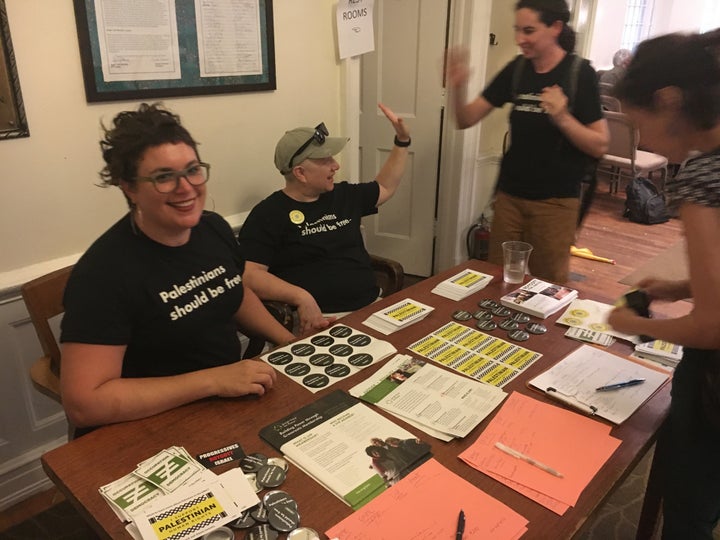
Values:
[(460, 526), (615, 386)]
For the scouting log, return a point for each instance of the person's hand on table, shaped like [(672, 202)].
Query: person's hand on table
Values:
[(623, 319), (242, 378), (311, 318)]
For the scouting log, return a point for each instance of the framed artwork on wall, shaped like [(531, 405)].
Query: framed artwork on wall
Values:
[(13, 123), (167, 48)]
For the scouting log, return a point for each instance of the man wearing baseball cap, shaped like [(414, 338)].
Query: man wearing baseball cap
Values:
[(303, 243)]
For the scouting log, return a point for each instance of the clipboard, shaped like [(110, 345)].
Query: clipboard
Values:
[(573, 379)]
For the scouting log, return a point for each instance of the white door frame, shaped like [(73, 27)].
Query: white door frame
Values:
[(469, 26)]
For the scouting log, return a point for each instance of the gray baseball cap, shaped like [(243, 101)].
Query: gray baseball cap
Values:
[(302, 143)]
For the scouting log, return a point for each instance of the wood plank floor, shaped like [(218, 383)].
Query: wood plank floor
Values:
[(605, 232)]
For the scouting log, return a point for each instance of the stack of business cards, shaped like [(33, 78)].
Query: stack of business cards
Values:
[(398, 316), (462, 285)]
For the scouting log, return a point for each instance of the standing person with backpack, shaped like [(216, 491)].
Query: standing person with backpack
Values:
[(552, 140), (671, 92)]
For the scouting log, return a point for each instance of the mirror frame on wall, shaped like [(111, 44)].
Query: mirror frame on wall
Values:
[(13, 122)]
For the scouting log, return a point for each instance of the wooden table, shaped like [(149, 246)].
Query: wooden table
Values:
[(80, 467)]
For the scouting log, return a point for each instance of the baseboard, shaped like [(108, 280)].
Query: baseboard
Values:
[(23, 476)]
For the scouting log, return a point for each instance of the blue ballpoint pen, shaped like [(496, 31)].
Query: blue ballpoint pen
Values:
[(460, 526), (615, 386)]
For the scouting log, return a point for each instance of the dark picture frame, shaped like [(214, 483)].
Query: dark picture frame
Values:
[(13, 122), (191, 82)]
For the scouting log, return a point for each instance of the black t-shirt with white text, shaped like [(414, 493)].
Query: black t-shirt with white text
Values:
[(172, 307), (316, 245), (541, 162)]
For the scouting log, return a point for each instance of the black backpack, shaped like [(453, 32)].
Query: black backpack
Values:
[(644, 203)]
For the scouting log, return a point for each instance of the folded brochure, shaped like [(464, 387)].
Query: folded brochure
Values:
[(350, 449)]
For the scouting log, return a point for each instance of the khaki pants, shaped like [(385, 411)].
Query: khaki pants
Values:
[(547, 224)]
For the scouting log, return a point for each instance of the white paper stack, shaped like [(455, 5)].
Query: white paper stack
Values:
[(662, 352), (170, 492), (398, 316), (462, 285)]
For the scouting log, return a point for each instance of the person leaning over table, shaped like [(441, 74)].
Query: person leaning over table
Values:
[(671, 92), (152, 307), (551, 148), (303, 243)]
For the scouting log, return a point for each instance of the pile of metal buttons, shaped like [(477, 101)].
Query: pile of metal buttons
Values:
[(277, 512)]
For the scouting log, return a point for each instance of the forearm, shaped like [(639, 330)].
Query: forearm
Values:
[(270, 287), (593, 141), (688, 331), (467, 114), (254, 318), (121, 399), (392, 171)]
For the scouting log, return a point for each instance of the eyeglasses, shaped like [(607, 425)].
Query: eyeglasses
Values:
[(167, 182), (319, 137)]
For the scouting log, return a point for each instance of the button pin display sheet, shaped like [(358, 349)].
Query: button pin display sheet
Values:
[(327, 357)]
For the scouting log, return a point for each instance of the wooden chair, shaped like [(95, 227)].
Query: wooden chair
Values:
[(43, 298), (623, 158)]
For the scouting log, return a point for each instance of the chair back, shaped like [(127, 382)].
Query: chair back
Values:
[(43, 298), (623, 137), (610, 103), (605, 88)]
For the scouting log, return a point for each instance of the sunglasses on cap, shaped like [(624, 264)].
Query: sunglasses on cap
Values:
[(319, 137)]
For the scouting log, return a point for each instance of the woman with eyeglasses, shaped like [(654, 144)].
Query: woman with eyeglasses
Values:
[(152, 308), (671, 92), (557, 130)]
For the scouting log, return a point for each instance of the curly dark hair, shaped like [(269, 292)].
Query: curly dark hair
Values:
[(689, 62), (132, 133), (550, 11)]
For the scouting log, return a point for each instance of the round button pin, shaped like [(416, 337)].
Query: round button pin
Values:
[(303, 533), (536, 328), (221, 533), (519, 335), (280, 462), (461, 315), (245, 521), (520, 318), (488, 303), (322, 359), (501, 311), (251, 477), (275, 497), (283, 517), (482, 315), (261, 532), (508, 324), (271, 476), (488, 326), (253, 462), (259, 513)]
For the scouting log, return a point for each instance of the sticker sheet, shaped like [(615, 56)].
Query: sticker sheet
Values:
[(329, 356)]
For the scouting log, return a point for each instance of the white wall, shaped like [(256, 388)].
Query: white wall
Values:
[(50, 207), (606, 39)]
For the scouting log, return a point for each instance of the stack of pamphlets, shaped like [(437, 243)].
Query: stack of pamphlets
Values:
[(352, 450), (172, 495), (661, 352), (462, 285), (398, 316), (539, 298), (439, 402)]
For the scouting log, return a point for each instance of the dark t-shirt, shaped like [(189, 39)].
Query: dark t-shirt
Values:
[(541, 162), (316, 245), (172, 306)]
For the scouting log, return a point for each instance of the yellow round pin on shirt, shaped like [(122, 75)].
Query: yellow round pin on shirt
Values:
[(297, 217)]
